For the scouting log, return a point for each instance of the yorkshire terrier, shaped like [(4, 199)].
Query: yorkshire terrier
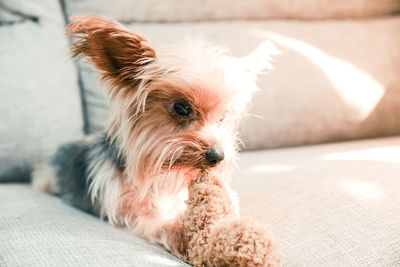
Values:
[(174, 114)]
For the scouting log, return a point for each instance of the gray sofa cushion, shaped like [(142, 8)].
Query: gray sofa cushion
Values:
[(325, 86), (40, 99), (330, 205), (40, 230)]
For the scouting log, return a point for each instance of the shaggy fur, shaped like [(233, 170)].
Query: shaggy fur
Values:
[(174, 114), (210, 233)]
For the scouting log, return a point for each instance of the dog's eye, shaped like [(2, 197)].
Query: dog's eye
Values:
[(182, 109)]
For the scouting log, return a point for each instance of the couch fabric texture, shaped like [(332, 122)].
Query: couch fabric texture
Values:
[(329, 205), (40, 230), (40, 98)]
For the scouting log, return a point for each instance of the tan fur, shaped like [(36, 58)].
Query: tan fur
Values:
[(211, 234), (117, 52), (44, 179)]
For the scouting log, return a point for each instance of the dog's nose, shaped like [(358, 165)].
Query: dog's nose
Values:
[(214, 156)]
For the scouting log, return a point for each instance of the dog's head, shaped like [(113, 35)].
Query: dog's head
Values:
[(176, 109)]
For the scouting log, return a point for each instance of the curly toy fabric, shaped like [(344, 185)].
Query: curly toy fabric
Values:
[(210, 233)]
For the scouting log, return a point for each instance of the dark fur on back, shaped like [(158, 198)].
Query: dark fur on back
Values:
[(71, 163)]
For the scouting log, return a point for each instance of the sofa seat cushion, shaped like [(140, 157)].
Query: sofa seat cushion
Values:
[(40, 230), (330, 205)]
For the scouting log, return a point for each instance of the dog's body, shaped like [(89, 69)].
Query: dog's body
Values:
[(173, 115), (89, 175), (71, 172)]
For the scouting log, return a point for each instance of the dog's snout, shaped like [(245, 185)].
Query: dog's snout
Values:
[(214, 156)]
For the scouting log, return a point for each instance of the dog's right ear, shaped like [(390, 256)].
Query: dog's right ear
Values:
[(260, 58), (119, 53)]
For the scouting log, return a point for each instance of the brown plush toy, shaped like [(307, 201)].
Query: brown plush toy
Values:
[(210, 233)]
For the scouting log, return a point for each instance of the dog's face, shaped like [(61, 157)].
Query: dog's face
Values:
[(176, 109)]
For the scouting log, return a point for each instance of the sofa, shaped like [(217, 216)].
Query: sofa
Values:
[(320, 165)]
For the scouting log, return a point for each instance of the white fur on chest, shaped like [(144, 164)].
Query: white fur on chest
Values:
[(164, 201)]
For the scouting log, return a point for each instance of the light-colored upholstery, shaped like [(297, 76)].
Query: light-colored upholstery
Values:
[(324, 87), (209, 10), (329, 205), (40, 230), (39, 91)]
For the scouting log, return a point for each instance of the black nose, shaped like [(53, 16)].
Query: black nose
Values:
[(214, 156)]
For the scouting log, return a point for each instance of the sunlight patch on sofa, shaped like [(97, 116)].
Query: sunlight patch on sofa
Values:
[(161, 260), (356, 87), (362, 190), (384, 154), (270, 168)]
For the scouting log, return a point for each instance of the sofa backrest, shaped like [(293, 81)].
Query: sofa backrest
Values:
[(334, 80), (211, 10), (40, 96)]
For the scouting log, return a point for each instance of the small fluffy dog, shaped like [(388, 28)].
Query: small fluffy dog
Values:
[(174, 114)]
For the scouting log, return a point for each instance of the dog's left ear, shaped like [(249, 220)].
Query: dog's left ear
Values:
[(119, 53), (260, 59)]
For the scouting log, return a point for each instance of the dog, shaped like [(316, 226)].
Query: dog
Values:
[(174, 113)]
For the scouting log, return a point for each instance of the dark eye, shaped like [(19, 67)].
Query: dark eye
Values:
[(182, 109)]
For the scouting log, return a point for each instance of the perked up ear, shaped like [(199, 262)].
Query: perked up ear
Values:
[(260, 59), (119, 53)]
